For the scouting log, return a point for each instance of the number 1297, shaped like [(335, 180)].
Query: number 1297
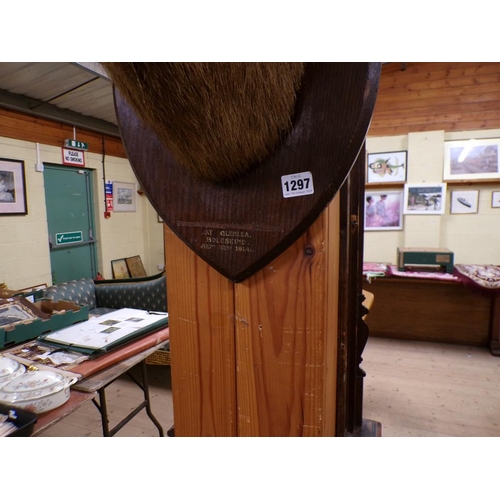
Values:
[(297, 184)]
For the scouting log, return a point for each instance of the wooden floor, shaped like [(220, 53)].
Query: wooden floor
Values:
[(431, 389), (411, 388)]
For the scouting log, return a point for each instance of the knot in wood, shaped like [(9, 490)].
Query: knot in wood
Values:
[(309, 251)]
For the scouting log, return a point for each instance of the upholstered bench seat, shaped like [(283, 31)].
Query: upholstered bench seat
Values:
[(105, 296)]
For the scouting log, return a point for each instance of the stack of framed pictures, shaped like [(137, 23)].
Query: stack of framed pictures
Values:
[(129, 267)]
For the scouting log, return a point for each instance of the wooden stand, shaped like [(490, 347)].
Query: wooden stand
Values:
[(275, 355)]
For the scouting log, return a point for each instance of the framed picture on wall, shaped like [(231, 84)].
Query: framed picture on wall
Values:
[(386, 167), (475, 159), (384, 210), (124, 197), (12, 187), (424, 199), (495, 199), (464, 202)]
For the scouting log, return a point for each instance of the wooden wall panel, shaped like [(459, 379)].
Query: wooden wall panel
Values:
[(436, 96), (24, 127)]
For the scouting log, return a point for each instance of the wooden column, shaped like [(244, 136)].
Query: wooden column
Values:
[(257, 358)]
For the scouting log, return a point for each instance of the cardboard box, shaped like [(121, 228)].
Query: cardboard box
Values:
[(59, 315)]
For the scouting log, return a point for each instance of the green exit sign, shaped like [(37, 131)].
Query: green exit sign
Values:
[(69, 237), (70, 143)]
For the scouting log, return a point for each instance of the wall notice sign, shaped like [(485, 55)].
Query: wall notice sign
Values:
[(109, 195), (69, 237), (73, 157)]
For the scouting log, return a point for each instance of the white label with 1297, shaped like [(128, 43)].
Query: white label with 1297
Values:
[(300, 184)]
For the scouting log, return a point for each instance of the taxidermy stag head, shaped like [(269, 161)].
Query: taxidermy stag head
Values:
[(240, 158)]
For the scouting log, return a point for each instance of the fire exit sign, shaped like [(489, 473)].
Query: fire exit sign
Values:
[(70, 143), (69, 237)]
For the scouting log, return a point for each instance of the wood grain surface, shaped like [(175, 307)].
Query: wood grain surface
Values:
[(449, 96), (286, 339), (256, 358), (201, 322)]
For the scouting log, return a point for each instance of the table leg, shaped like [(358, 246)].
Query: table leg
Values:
[(103, 410), (145, 389)]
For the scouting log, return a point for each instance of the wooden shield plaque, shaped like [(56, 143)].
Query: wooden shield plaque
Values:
[(239, 226)]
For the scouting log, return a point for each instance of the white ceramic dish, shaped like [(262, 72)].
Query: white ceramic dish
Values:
[(37, 390), (9, 369)]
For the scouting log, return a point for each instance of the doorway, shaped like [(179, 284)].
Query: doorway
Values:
[(70, 217)]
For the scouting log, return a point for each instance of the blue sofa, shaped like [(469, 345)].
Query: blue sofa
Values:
[(102, 296)]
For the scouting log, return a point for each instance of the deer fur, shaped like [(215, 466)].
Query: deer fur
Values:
[(217, 119)]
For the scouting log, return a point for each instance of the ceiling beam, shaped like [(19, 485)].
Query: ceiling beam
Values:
[(49, 111)]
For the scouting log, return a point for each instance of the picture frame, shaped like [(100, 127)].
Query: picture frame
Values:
[(135, 267), (495, 199), (124, 197), (473, 159), (424, 199), (384, 210), (120, 269), (464, 202), (386, 167), (12, 187)]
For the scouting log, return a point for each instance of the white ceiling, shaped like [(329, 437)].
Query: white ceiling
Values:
[(80, 94)]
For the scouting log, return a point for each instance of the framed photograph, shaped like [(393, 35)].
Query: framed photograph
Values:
[(386, 167), (424, 199), (136, 267), (464, 202), (384, 210), (495, 199), (120, 269), (474, 159), (124, 197), (12, 187)]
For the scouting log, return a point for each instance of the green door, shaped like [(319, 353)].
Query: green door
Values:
[(70, 216)]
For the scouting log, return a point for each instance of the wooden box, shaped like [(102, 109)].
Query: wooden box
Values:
[(441, 257)]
